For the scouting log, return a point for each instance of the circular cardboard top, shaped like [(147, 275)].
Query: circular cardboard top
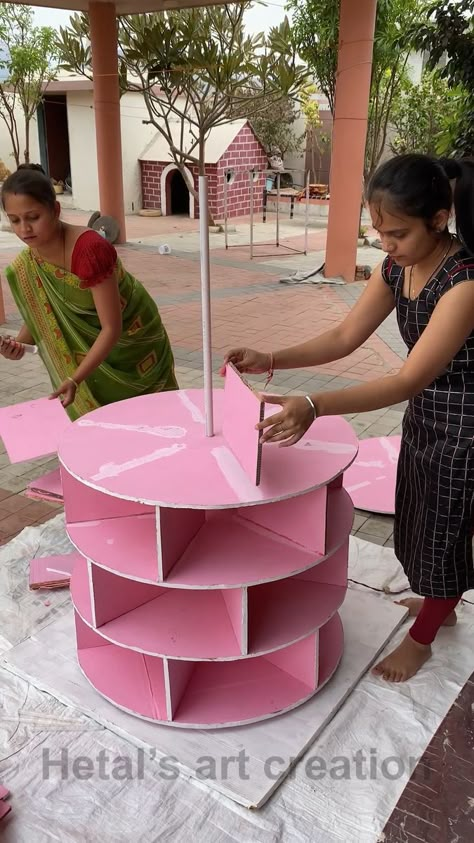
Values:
[(153, 449)]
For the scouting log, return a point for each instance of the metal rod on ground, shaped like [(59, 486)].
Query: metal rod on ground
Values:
[(225, 211), (251, 213), (206, 302), (278, 211), (306, 215)]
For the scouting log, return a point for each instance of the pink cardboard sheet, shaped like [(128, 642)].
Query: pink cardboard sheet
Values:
[(33, 429), (52, 571), (48, 487), (371, 479), (242, 411)]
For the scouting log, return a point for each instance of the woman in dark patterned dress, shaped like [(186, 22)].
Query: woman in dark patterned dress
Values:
[(428, 276)]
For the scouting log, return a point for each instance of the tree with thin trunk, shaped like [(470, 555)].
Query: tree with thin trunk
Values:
[(317, 140), (196, 69), (27, 64), (316, 26), (424, 115), (447, 37), (274, 127)]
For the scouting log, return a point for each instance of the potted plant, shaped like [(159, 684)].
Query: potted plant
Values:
[(362, 233)]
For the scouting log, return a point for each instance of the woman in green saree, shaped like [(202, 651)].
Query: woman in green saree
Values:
[(98, 331)]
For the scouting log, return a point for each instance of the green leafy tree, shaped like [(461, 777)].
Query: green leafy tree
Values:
[(316, 25), (274, 127), (196, 69), (317, 140), (457, 135), (423, 114), (447, 37), (27, 63)]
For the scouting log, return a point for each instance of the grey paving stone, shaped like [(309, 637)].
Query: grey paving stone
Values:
[(376, 526)]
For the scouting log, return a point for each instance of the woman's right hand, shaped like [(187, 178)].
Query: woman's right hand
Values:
[(11, 349), (248, 360)]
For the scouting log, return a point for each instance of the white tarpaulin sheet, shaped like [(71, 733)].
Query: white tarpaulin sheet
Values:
[(73, 780)]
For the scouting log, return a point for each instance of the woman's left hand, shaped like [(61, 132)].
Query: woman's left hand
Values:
[(66, 392), (291, 423)]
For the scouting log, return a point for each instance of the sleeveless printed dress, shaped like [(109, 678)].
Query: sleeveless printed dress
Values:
[(434, 510)]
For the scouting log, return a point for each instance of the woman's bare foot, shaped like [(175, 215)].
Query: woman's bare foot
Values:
[(414, 606), (404, 662)]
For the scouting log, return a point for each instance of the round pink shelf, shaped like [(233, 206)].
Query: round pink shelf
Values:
[(169, 623), (371, 479), (252, 556), (204, 600), (153, 449), (206, 695)]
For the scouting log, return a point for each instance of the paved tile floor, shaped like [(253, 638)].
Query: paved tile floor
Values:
[(250, 306)]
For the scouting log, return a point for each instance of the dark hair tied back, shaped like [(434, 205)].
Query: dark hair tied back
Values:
[(451, 167), (30, 180), (420, 186)]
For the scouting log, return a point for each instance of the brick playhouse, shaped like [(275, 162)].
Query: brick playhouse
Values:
[(233, 146)]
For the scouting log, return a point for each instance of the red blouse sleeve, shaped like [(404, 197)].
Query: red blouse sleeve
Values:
[(93, 259)]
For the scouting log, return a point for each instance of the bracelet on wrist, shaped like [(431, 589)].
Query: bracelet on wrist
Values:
[(270, 370), (312, 405), (73, 381)]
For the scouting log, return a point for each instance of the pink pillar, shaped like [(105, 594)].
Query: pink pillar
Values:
[(356, 38), (104, 46)]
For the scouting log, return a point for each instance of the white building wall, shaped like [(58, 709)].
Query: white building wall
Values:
[(135, 138), (82, 150), (6, 153), (415, 67), (83, 154)]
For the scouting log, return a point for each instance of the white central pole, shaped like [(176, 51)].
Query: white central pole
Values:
[(306, 215), (206, 303), (251, 213)]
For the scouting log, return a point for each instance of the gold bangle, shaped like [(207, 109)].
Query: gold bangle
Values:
[(73, 381)]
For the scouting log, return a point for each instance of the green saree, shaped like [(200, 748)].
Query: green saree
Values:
[(62, 319)]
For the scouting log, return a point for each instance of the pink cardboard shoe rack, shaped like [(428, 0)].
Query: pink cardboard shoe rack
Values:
[(201, 599)]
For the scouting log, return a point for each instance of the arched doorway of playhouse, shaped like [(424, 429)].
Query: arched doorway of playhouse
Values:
[(175, 196)]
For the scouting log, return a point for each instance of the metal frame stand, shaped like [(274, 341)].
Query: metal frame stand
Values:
[(290, 250)]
